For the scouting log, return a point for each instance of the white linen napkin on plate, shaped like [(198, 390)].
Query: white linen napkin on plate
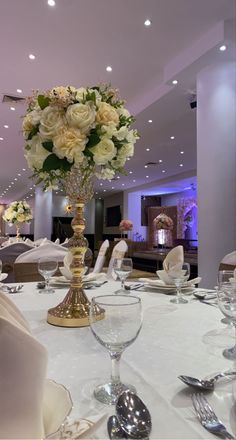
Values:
[(86, 278), (22, 377), (173, 263), (160, 283)]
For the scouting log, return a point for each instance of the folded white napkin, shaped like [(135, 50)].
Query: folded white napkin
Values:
[(22, 377), (160, 283), (173, 258), (3, 276)]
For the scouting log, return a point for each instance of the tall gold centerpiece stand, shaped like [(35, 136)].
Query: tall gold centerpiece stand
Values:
[(73, 311), (18, 237)]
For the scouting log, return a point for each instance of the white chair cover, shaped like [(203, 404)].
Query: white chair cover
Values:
[(47, 250), (101, 257), (40, 241), (118, 252), (230, 259), (57, 241), (29, 242)]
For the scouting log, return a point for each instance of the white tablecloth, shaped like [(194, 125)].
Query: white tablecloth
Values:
[(174, 340)]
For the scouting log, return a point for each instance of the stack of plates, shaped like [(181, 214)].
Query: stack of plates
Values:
[(169, 289)]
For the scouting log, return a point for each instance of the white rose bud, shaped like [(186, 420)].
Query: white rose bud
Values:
[(103, 152), (51, 120), (81, 116)]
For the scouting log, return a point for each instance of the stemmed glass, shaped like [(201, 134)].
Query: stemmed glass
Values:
[(0, 267), (179, 275), (122, 267), (47, 267), (119, 327), (227, 304)]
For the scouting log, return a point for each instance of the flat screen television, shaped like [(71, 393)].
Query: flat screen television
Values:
[(113, 216)]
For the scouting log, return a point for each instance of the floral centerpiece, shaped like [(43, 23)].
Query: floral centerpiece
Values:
[(18, 213), (162, 221), (125, 226), (73, 134), (88, 128)]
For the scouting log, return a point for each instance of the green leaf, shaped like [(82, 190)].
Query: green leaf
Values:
[(52, 162), (43, 101), (94, 139), (33, 132), (88, 153), (48, 145)]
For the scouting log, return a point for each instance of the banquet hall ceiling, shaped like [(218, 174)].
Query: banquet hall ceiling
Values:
[(73, 43)]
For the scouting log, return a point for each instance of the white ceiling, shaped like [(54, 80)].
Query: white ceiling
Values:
[(73, 43)]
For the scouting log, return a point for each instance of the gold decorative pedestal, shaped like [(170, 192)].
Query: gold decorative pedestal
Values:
[(18, 232), (73, 311)]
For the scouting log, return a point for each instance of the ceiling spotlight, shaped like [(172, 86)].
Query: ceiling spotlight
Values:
[(15, 178), (6, 126), (223, 48), (51, 2), (96, 192), (147, 22), (147, 149), (150, 121), (123, 184), (128, 158), (23, 169), (109, 69), (32, 56), (181, 165), (160, 160), (1, 139), (118, 177), (134, 180), (172, 138), (174, 82), (101, 184), (145, 166), (112, 187), (19, 90), (19, 174), (104, 190), (130, 172), (163, 171), (12, 108), (147, 177), (181, 152)]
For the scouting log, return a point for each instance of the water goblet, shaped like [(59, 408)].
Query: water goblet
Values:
[(47, 267), (122, 268), (227, 304), (223, 278), (120, 326), (179, 276)]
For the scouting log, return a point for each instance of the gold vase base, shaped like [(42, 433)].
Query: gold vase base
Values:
[(72, 314)]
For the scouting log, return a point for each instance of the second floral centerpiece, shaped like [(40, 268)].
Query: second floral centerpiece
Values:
[(73, 134), (17, 214)]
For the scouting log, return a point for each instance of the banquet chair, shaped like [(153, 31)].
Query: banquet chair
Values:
[(119, 251), (9, 254), (28, 272), (101, 257), (228, 262)]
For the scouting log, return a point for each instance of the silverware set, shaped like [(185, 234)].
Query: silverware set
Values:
[(13, 289), (205, 384), (132, 419)]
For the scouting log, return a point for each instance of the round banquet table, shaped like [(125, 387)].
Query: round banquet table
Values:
[(174, 340)]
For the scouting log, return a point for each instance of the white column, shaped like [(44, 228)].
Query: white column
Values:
[(216, 167), (42, 214)]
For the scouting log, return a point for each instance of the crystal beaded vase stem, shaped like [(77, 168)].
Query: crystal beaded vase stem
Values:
[(73, 311)]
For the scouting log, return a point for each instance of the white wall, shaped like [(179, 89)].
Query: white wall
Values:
[(58, 210)]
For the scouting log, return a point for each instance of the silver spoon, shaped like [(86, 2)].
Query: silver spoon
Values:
[(134, 286), (114, 429), (14, 289), (202, 295), (133, 416), (205, 384)]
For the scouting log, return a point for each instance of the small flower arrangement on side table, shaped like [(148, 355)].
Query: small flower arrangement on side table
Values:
[(18, 213)]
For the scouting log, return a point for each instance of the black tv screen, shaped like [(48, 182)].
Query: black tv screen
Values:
[(113, 216)]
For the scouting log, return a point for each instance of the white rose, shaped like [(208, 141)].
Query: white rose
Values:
[(103, 152), (80, 93), (20, 210), (27, 125), (36, 154), (36, 116), (52, 119), (97, 94), (132, 136), (81, 116), (122, 133), (118, 162), (107, 115), (105, 173), (123, 112), (126, 151), (109, 130), (69, 143)]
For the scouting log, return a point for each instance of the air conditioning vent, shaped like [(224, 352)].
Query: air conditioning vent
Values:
[(150, 164), (11, 98)]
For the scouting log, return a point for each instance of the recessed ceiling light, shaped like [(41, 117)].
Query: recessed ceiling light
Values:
[(19, 90), (130, 172), (112, 187), (150, 121), (12, 108), (1, 139), (123, 184), (13, 183), (174, 82), (163, 171), (160, 160), (118, 177), (19, 174), (181, 165), (145, 166), (223, 48), (32, 56), (99, 198), (181, 152), (96, 192), (51, 2), (6, 126), (109, 69), (15, 178), (134, 180), (23, 169), (147, 149), (128, 158), (147, 22), (104, 190), (147, 177), (172, 138), (101, 184)]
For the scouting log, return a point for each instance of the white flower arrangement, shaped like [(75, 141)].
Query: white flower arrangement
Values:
[(162, 221), (86, 127), (18, 212)]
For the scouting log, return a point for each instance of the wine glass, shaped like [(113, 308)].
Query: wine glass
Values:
[(179, 275), (227, 304), (223, 278), (47, 267), (0, 267), (122, 267), (119, 327)]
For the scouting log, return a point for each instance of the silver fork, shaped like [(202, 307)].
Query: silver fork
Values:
[(208, 418)]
